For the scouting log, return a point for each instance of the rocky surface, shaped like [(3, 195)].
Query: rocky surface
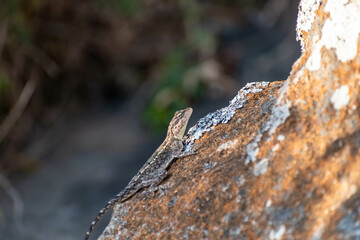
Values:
[(280, 162)]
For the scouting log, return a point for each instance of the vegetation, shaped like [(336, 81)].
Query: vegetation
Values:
[(80, 53)]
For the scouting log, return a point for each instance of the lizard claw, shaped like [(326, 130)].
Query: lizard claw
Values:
[(153, 188), (150, 193), (185, 154), (162, 189)]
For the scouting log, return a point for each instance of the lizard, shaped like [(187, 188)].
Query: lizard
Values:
[(154, 170)]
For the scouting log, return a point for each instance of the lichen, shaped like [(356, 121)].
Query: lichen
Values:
[(340, 97), (305, 18), (279, 114), (228, 144), (223, 115), (277, 234), (261, 167), (339, 32)]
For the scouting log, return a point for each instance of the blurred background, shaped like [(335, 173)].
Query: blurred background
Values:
[(87, 89)]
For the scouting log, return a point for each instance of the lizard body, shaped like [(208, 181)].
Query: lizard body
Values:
[(154, 169)]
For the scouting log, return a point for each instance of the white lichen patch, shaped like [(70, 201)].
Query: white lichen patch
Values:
[(261, 167), (340, 32), (253, 149), (268, 203), (340, 97), (277, 234), (227, 145), (305, 17), (275, 148), (222, 115), (314, 61), (280, 137), (279, 114), (318, 233)]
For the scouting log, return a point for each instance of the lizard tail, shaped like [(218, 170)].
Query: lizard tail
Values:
[(102, 212)]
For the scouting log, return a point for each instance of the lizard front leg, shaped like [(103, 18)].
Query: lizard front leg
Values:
[(185, 154), (155, 179)]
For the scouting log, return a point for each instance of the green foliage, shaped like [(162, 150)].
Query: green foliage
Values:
[(4, 84), (174, 67), (172, 93), (4, 89), (9, 7), (179, 81), (158, 118), (169, 95), (126, 7), (202, 40), (20, 31), (16, 14)]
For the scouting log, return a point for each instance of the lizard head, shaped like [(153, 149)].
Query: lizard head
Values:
[(178, 123)]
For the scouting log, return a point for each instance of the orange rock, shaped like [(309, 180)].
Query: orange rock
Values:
[(280, 162)]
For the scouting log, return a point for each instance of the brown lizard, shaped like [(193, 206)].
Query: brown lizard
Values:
[(154, 170)]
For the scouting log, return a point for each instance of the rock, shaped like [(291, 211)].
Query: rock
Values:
[(280, 162)]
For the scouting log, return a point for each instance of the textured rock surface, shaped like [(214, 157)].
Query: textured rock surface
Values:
[(281, 161)]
